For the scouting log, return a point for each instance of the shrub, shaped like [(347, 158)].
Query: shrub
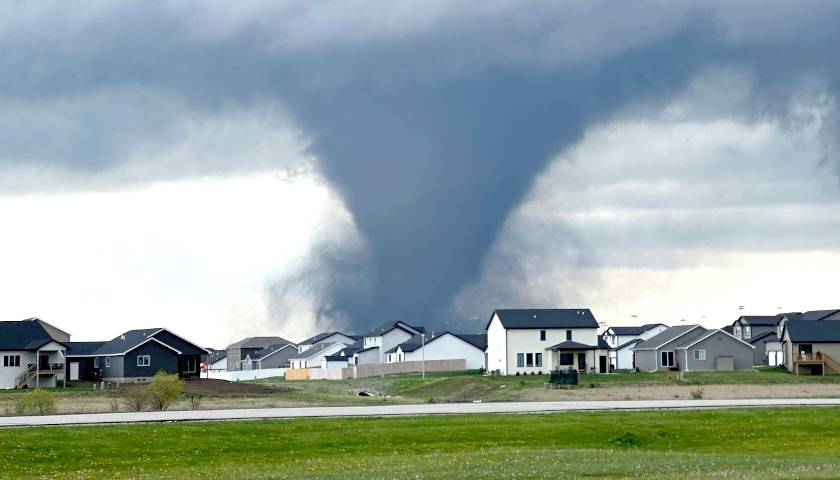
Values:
[(195, 400), (135, 399), (697, 393), (37, 401), (113, 400), (163, 390)]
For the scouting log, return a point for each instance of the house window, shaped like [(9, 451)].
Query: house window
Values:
[(144, 360), (747, 331), (568, 335), (189, 364), (11, 360), (567, 359), (667, 359), (538, 359), (520, 360), (736, 331), (699, 354), (542, 335), (107, 362), (529, 359), (95, 362)]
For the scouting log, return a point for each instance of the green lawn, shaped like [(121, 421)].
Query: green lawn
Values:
[(758, 443)]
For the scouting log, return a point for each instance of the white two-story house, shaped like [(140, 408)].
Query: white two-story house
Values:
[(525, 341), (383, 338)]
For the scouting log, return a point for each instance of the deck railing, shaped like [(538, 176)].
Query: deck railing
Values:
[(809, 357)]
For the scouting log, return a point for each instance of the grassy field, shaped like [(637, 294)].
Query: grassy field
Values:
[(757, 443), (463, 386)]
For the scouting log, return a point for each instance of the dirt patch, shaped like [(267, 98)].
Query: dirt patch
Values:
[(665, 392)]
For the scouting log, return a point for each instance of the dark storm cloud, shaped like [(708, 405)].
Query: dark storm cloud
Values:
[(431, 118)]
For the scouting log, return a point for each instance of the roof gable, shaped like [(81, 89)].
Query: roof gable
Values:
[(663, 338), (545, 318), (259, 342), (24, 335)]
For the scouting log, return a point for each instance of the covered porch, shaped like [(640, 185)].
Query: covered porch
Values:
[(583, 358)]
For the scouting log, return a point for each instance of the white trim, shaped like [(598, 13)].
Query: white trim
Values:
[(147, 340), (183, 340), (148, 357), (712, 332), (671, 340)]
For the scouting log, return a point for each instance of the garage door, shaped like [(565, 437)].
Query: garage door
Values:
[(725, 364)]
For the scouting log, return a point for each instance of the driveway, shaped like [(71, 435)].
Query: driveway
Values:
[(397, 410)]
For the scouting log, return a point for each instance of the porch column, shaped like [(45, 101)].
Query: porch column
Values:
[(37, 367)]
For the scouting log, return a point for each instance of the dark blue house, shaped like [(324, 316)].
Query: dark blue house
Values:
[(136, 355)]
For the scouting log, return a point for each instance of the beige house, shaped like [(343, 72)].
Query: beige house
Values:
[(811, 342)]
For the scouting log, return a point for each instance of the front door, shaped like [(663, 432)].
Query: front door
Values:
[(582, 362), (603, 363), (43, 362)]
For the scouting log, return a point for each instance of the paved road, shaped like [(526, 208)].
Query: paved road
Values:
[(397, 410)]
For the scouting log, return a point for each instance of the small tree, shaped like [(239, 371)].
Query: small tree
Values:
[(163, 390)]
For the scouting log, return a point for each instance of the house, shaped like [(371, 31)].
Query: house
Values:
[(760, 331), (523, 341), (621, 341), (336, 361), (328, 337), (81, 357), (33, 354), (384, 338), (442, 346), (237, 352), (693, 348), (216, 361), (811, 342), (137, 355), (311, 357), (275, 356)]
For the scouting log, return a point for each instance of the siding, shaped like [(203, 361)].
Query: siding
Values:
[(496, 346), (449, 347), (719, 345), (528, 341), (160, 357), (279, 359)]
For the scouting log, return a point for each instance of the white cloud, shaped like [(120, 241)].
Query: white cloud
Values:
[(195, 256), (692, 209)]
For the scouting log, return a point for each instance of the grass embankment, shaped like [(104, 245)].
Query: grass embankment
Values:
[(757, 443), (462, 386)]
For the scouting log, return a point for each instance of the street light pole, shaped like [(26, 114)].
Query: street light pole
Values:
[(423, 351)]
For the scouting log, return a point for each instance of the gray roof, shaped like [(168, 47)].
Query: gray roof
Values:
[(270, 350), (478, 340), (24, 335), (216, 356), (388, 326), (546, 318), (570, 345), (631, 342), (766, 320), (814, 331), (126, 341), (313, 350), (83, 348), (813, 315), (260, 342), (668, 335), (323, 335), (766, 337), (336, 358), (635, 330)]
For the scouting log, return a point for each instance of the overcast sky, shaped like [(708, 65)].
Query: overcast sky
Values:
[(231, 169)]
